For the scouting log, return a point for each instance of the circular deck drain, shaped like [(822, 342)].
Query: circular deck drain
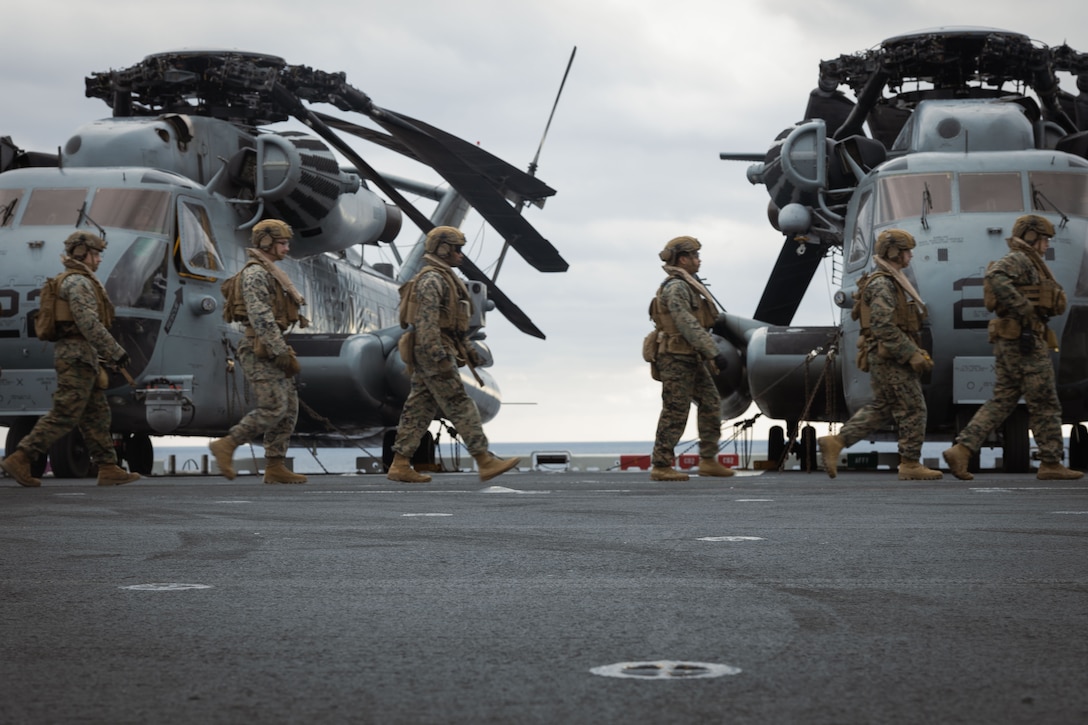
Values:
[(166, 587), (665, 670)]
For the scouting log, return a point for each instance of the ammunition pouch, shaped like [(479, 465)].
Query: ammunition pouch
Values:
[(1004, 328), (1047, 298), (406, 346), (649, 347), (862, 359), (102, 380)]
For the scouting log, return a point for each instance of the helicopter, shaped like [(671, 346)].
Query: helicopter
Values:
[(968, 128), (174, 180)]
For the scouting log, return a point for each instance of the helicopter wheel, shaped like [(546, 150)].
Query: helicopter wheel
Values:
[(776, 446), (808, 448), (69, 457), (1078, 447), (16, 432), (1017, 449), (139, 453), (423, 455)]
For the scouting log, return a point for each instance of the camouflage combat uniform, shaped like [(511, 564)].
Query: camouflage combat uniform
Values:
[(1030, 374), (436, 382), (897, 388), (682, 368), (277, 398), (82, 342)]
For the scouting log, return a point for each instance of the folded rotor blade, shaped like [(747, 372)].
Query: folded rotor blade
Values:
[(787, 284)]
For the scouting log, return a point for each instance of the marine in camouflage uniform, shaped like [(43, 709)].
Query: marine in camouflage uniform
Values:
[(269, 308), (682, 312), (1024, 295), (891, 314), (84, 314), (437, 306)]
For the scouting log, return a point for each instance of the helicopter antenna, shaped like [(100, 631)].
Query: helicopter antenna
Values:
[(533, 164)]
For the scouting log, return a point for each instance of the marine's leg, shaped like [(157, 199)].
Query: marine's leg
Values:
[(75, 382), (677, 382)]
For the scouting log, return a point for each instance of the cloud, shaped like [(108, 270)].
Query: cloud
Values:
[(656, 91)]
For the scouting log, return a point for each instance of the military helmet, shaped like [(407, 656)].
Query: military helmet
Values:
[(1032, 223), (268, 232), (890, 241), (78, 243), (678, 246), (443, 235)]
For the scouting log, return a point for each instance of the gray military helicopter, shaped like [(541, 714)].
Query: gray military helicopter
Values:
[(175, 179), (968, 128)]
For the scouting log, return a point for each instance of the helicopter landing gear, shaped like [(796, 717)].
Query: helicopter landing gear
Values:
[(1078, 447), (1017, 447), (16, 432), (424, 454), (70, 458), (138, 451)]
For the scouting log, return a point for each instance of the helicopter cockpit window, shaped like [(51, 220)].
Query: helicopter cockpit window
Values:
[(9, 202), (195, 243), (142, 210), (913, 195), (1057, 192), (991, 192), (859, 244), (54, 207), (139, 277)]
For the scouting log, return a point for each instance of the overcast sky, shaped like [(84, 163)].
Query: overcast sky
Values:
[(656, 91)]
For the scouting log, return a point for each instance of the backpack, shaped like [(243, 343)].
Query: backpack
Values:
[(45, 320), (234, 307)]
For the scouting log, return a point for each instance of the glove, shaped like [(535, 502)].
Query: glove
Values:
[(721, 361), (1027, 342), (288, 363), (123, 361), (921, 362)]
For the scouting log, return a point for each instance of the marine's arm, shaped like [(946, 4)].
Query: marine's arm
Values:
[(79, 291), (430, 293), (680, 299), (258, 286), (883, 296)]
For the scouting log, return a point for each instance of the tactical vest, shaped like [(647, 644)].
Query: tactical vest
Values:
[(670, 340), (908, 317), (285, 310), (1047, 297), (456, 312), (62, 311)]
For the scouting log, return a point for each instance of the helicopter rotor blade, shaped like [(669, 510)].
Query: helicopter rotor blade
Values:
[(788, 282)]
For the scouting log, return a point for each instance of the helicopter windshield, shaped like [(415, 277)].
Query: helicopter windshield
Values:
[(54, 207), (142, 210), (1067, 193), (991, 192), (9, 200), (901, 197)]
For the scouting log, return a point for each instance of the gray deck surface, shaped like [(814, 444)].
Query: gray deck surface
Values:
[(354, 599)]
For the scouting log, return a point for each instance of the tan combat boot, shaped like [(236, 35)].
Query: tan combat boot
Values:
[(1056, 472), (401, 470), (712, 467), (18, 467), (830, 448), (110, 474), (957, 457), (915, 471), (278, 472), (490, 466), (666, 473), (223, 450)]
